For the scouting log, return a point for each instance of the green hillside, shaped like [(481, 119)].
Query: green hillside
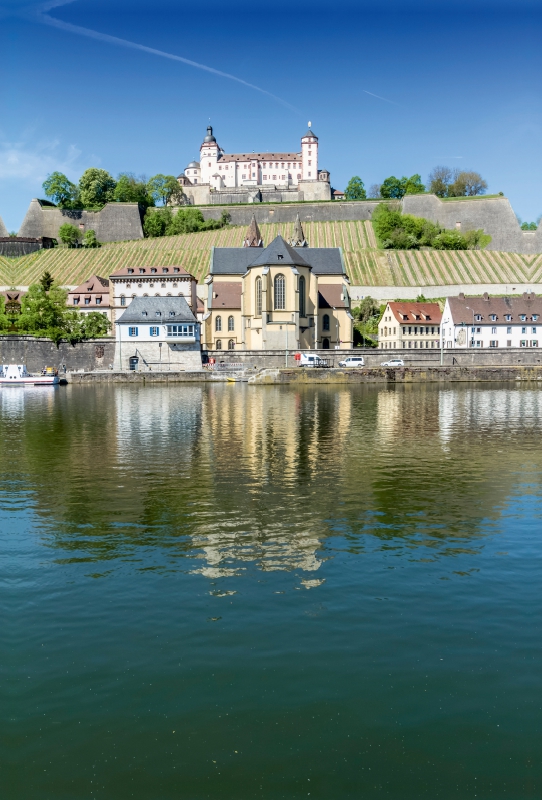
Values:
[(366, 265)]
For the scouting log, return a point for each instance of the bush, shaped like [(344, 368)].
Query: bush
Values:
[(90, 240), (162, 222), (405, 232), (69, 234)]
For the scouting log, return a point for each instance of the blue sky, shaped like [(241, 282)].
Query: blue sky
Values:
[(457, 84)]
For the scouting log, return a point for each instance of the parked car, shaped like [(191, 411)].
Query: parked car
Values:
[(352, 361), (306, 360), (393, 362)]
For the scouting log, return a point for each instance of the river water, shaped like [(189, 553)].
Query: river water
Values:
[(264, 592)]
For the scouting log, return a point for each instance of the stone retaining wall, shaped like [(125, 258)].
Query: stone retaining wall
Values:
[(38, 353), (115, 222)]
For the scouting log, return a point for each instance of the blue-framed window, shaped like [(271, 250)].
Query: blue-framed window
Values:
[(133, 332), (154, 331)]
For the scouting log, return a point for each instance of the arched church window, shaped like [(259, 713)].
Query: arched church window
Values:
[(218, 324), (302, 312), (218, 344), (231, 323), (258, 292), (325, 324), (231, 345), (280, 293)]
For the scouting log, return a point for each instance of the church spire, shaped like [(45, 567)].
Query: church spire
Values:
[(298, 238), (253, 236)]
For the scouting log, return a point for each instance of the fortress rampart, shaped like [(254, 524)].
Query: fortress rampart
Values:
[(115, 222)]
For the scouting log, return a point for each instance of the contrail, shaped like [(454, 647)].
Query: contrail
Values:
[(38, 13), (385, 99)]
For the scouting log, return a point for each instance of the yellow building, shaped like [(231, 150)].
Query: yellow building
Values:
[(281, 297)]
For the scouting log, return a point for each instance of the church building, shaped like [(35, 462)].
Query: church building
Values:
[(283, 296), (255, 177)]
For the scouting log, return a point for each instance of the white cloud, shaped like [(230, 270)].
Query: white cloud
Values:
[(32, 162)]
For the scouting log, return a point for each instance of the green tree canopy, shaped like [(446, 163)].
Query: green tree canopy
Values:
[(396, 188), (43, 312), (5, 321), (406, 232), (61, 190), (164, 189), (90, 240), (69, 234), (355, 189), (46, 281), (162, 221), (446, 182), (130, 189), (96, 188)]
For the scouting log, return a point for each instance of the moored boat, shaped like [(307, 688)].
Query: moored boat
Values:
[(17, 374)]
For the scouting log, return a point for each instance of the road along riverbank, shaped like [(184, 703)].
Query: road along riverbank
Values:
[(436, 374)]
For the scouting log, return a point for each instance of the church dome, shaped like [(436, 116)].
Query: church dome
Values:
[(193, 165), (209, 138)]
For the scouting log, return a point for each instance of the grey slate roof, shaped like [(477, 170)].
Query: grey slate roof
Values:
[(166, 305), (237, 260)]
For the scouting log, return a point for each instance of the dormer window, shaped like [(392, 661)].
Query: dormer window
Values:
[(280, 256), (165, 269), (176, 269), (508, 317), (171, 313), (141, 270), (153, 270), (535, 317), (493, 317), (158, 313), (523, 317), (130, 271), (143, 313), (478, 317)]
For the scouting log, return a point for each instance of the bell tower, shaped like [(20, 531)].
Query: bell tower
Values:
[(309, 155), (209, 153)]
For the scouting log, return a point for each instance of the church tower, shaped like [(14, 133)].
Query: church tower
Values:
[(298, 238), (253, 236), (209, 154), (309, 155)]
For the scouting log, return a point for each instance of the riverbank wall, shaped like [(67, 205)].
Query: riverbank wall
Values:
[(301, 376), (38, 353)]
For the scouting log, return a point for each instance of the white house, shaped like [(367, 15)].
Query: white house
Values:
[(492, 321), (157, 334)]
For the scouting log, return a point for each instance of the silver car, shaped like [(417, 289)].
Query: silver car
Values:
[(393, 362), (352, 361)]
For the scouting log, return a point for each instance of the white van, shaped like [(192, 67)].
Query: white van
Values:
[(307, 360), (352, 361)]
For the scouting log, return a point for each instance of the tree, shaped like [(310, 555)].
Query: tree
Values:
[(69, 234), (5, 321), (46, 281), (528, 226), (374, 191), (60, 189), (439, 179), (355, 189), (396, 188), (156, 222), (95, 325), (90, 240), (130, 189), (165, 189), (96, 188), (43, 313), (413, 185)]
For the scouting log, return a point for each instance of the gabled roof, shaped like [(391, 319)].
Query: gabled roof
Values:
[(228, 157), (93, 284), (409, 312), (172, 309), (237, 260), (279, 252), (462, 308)]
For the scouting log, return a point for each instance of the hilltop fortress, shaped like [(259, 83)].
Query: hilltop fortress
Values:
[(219, 177)]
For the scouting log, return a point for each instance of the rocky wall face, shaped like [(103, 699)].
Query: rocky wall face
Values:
[(39, 353), (493, 214), (172, 356), (287, 212), (115, 222)]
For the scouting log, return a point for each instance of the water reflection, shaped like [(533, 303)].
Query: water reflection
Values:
[(222, 479)]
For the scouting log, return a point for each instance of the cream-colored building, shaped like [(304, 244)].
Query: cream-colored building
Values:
[(281, 297), (129, 282), (410, 325)]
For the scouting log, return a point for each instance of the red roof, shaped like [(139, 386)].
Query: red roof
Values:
[(416, 312), (163, 272), (226, 295)]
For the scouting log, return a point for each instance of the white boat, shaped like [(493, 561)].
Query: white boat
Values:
[(17, 375)]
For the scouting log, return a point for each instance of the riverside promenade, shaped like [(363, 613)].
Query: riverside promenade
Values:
[(301, 376)]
